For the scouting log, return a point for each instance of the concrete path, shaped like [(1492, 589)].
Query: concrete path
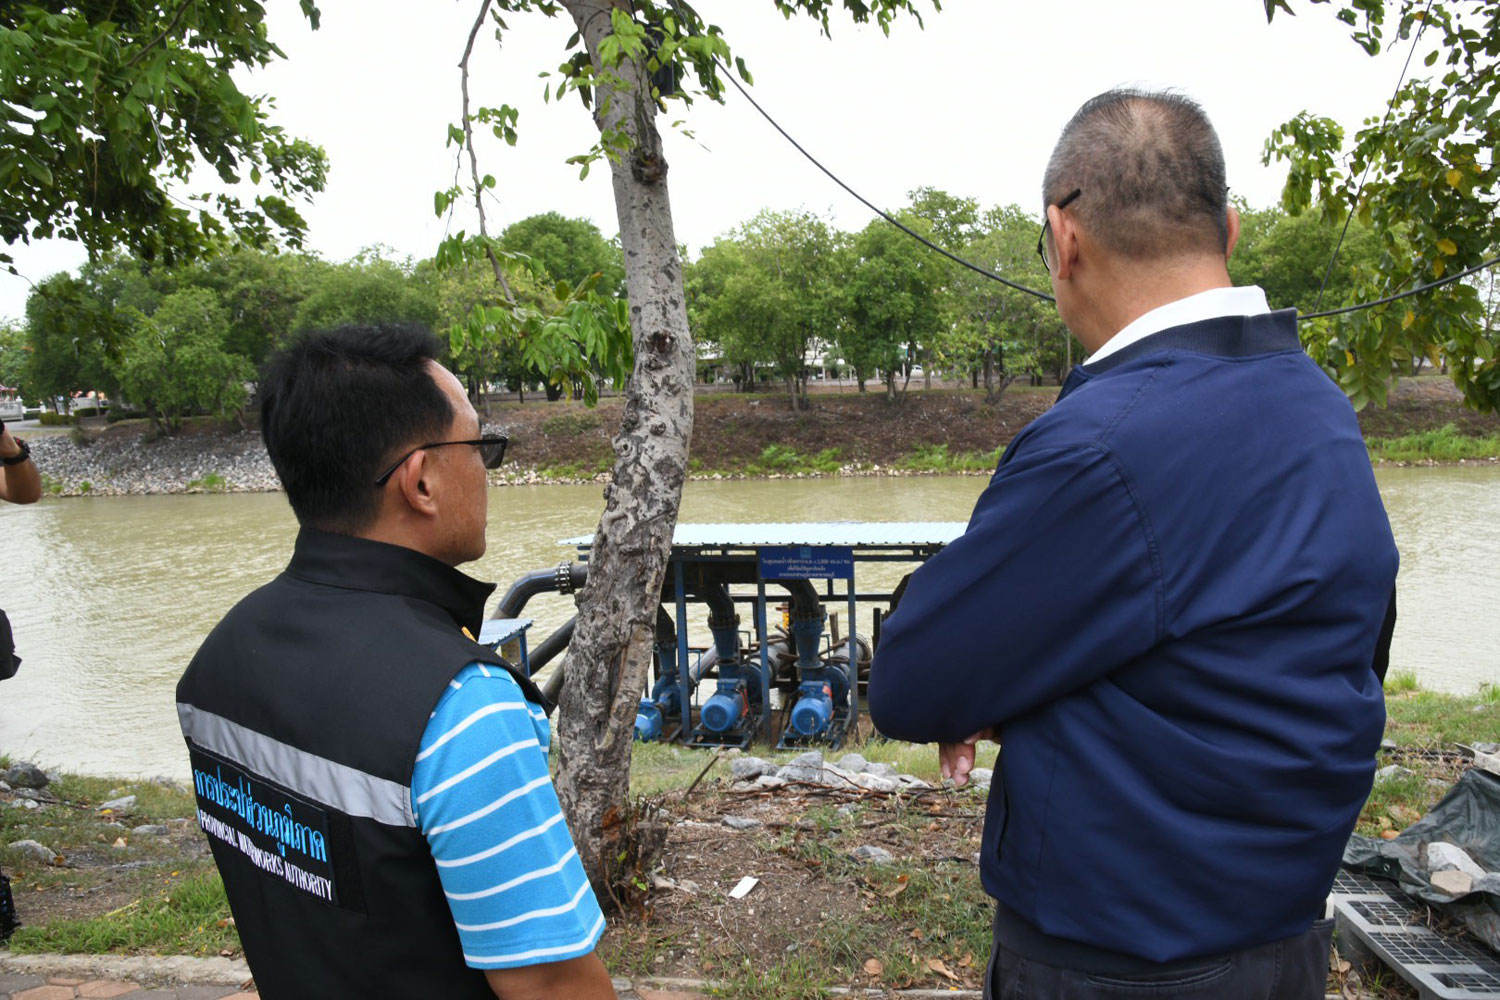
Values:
[(105, 977)]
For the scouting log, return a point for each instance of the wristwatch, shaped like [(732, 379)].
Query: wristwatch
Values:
[(19, 456)]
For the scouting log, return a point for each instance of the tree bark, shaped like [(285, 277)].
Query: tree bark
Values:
[(611, 649)]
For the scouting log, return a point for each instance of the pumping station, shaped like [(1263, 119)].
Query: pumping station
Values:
[(780, 655)]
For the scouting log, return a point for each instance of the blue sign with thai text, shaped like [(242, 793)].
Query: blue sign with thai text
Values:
[(807, 562)]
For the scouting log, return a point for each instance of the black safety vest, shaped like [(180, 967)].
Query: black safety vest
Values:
[(303, 712)]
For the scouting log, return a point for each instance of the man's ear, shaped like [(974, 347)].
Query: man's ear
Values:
[(1232, 228), (1064, 242), (414, 480)]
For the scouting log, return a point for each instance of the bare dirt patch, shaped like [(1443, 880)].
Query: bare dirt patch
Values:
[(817, 916)]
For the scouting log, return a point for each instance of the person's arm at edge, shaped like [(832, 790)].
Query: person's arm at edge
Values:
[(20, 483), (583, 977), (1053, 585)]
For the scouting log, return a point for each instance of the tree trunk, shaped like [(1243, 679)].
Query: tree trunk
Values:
[(989, 374), (611, 649)]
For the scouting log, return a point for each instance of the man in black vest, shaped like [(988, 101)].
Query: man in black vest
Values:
[(316, 711)]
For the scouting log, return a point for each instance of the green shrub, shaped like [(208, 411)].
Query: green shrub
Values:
[(50, 419)]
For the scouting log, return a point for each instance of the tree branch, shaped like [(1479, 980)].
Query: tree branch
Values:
[(463, 66), (167, 33)]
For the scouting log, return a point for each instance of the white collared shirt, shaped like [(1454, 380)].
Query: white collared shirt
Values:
[(1246, 300)]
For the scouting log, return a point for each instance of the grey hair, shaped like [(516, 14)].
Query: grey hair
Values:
[(1151, 171)]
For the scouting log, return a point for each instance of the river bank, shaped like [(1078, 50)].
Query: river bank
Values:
[(735, 437), (116, 865)]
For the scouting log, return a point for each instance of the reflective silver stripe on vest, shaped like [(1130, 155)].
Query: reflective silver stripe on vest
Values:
[(327, 782)]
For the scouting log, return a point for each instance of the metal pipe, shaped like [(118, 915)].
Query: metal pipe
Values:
[(547, 650), (564, 578)]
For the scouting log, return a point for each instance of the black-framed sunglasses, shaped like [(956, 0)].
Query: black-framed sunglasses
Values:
[(491, 450), (1041, 240)]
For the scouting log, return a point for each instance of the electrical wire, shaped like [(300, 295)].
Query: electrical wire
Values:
[(872, 206), (1390, 109), (1403, 295), (1357, 307)]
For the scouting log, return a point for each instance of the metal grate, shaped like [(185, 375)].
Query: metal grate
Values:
[(1387, 914), (1419, 949), (1352, 884), (1475, 982)]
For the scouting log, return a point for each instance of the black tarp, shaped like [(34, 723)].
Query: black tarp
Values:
[(1468, 817)]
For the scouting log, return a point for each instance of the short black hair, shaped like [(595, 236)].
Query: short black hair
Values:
[(1151, 171), (336, 405)]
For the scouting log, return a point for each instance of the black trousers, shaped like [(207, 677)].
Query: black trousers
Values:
[(1293, 969)]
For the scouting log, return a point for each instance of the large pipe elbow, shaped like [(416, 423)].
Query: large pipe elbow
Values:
[(565, 578)]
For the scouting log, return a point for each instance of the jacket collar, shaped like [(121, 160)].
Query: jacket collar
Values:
[(1222, 336), (378, 567)]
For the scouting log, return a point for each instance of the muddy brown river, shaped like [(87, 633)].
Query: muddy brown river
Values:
[(110, 596)]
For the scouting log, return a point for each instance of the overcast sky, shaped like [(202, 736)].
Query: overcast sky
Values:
[(972, 104)]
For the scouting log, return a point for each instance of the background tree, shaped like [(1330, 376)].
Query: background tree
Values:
[(69, 329), (1012, 335), (568, 250), (371, 288), (15, 356), (105, 107), (261, 292), (174, 363), (893, 299), (767, 292), (1429, 198), (1287, 255)]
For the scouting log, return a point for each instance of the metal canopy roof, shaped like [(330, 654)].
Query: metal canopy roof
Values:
[(500, 630), (856, 534)]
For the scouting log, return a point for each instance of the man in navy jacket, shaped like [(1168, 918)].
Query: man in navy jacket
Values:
[(1165, 607)]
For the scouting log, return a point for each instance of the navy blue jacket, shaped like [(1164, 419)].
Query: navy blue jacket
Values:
[(1168, 599)]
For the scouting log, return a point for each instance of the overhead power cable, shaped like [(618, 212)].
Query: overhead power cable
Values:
[(728, 74), (1406, 294), (1390, 109)]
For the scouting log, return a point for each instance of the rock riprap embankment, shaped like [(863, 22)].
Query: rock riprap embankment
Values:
[(130, 464)]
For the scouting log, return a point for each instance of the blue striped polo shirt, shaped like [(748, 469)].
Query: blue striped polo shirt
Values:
[(483, 797)]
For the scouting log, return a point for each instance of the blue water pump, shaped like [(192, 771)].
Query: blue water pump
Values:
[(823, 688), (665, 702), (737, 687)]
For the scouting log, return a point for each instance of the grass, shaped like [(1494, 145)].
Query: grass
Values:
[(915, 912), (212, 483), (1422, 724), (571, 424), (1400, 682), (186, 915), (180, 908), (936, 458), (1443, 445), (581, 469), (779, 459)]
